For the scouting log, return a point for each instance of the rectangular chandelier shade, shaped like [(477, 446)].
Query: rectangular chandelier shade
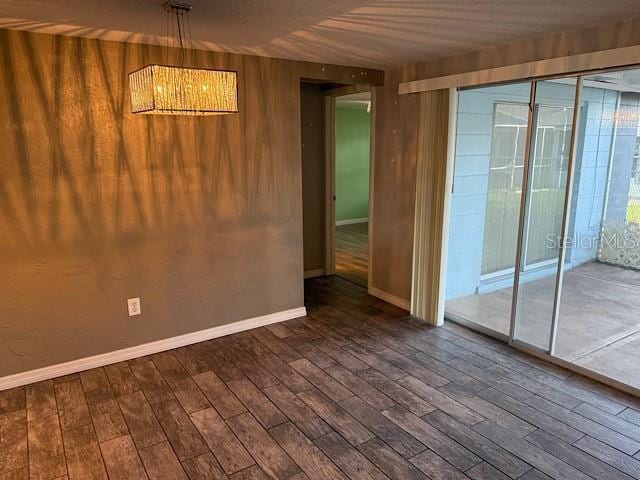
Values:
[(161, 89)]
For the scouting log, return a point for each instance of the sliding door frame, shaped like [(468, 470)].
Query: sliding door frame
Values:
[(522, 221), (568, 195), (525, 212)]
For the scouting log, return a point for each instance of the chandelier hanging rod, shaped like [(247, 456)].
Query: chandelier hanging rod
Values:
[(172, 6), (179, 9)]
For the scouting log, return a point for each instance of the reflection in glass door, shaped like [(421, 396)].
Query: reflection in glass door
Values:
[(544, 207)]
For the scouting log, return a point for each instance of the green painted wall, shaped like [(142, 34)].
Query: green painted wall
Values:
[(352, 162)]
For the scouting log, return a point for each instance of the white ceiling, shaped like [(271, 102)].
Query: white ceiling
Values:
[(373, 33)]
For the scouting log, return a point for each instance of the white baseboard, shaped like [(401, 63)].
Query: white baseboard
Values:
[(351, 221), (116, 356), (390, 298), (318, 272)]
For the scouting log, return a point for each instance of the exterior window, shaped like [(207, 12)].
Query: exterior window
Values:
[(548, 177), (508, 137)]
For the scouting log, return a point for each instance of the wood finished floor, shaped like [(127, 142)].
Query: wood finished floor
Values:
[(352, 252), (354, 390)]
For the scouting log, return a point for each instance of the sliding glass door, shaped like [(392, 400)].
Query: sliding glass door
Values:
[(510, 178), (508, 208), (544, 226), (543, 212), (598, 320), (491, 140)]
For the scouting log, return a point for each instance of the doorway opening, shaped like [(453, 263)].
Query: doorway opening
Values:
[(336, 150), (352, 160)]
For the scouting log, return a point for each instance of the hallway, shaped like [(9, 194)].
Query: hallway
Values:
[(352, 252)]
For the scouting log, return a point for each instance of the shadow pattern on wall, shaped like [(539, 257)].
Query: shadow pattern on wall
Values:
[(66, 111), (199, 216)]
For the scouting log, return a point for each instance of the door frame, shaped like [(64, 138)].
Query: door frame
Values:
[(330, 184), (330, 173)]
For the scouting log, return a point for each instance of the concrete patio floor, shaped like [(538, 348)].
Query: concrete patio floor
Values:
[(599, 325)]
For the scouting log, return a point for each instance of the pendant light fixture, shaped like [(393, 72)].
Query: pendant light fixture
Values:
[(179, 90)]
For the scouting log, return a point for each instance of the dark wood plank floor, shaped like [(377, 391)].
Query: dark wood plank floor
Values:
[(355, 390), (352, 252)]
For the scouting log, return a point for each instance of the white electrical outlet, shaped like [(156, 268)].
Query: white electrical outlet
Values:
[(134, 306)]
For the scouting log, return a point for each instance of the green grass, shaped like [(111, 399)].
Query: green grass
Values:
[(633, 210)]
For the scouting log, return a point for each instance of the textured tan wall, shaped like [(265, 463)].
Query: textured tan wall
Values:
[(200, 217), (313, 174), (397, 135), (393, 192)]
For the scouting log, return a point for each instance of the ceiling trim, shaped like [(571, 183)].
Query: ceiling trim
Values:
[(568, 65)]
